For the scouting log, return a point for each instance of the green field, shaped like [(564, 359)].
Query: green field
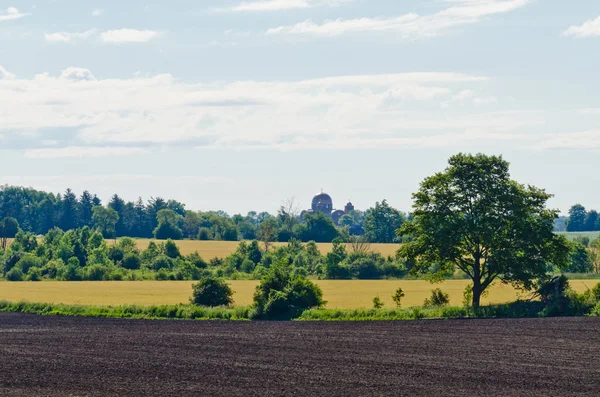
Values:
[(340, 294), (573, 235)]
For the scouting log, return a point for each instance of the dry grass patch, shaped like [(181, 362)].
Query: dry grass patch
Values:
[(352, 294)]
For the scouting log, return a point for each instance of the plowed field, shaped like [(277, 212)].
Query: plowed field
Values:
[(59, 356)]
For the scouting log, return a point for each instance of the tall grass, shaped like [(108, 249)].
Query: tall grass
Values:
[(517, 309), (182, 312)]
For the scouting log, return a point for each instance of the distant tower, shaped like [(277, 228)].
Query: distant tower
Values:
[(349, 207)]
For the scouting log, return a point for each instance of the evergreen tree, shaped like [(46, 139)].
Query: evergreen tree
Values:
[(118, 205), (85, 209), (69, 218)]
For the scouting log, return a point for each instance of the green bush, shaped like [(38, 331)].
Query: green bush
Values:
[(14, 274), (132, 261), (210, 291), (27, 262), (96, 273), (204, 234), (69, 272), (161, 262), (162, 274), (172, 250), (34, 274), (284, 295), (437, 298)]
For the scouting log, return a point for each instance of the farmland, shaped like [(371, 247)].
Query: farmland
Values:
[(222, 249), (340, 294), (58, 356)]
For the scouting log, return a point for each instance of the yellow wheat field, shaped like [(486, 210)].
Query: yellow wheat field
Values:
[(352, 294), (221, 249)]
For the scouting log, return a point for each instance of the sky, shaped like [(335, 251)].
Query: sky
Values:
[(241, 105)]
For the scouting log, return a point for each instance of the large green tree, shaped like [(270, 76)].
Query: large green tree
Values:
[(105, 220), (382, 222), (475, 218), (576, 219), (168, 225), (9, 227)]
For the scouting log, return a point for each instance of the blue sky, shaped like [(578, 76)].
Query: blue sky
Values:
[(240, 105)]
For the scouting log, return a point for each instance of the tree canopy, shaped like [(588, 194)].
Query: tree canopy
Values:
[(475, 218)]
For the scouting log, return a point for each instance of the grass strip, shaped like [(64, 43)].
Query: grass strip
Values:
[(165, 312)]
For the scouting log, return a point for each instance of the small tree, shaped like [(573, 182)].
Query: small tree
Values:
[(210, 291), (168, 225), (437, 298), (377, 303), (397, 297), (9, 227), (105, 221), (283, 294)]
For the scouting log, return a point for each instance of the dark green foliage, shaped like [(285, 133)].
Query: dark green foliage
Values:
[(580, 259), (475, 218), (196, 260), (34, 274), (161, 262), (377, 303), (382, 222), (9, 227), (282, 294), (254, 253), (317, 227), (437, 298), (172, 250), (132, 261), (27, 262), (168, 231), (210, 291), (24, 242), (204, 234), (560, 300), (397, 297), (96, 273), (116, 254), (334, 269), (11, 258), (577, 218), (14, 274)]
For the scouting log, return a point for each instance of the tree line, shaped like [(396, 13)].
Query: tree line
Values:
[(582, 220), (39, 212)]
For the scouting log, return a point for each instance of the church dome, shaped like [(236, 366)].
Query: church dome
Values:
[(322, 202)]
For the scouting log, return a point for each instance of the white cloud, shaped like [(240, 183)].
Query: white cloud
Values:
[(82, 152), (77, 74), (97, 12), (589, 28), (485, 101), (77, 113), (279, 5), (5, 74), (577, 140), (66, 37), (11, 13), (128, 36), (410, 25)]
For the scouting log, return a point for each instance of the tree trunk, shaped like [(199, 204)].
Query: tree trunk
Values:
[(477, 291)]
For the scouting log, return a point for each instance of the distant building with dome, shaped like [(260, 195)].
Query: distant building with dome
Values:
[(323, 203)]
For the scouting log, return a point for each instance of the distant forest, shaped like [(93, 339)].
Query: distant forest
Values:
[(579, 220), (38, 212)]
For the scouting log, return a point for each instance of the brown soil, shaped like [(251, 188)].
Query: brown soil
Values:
[(61, 356)]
